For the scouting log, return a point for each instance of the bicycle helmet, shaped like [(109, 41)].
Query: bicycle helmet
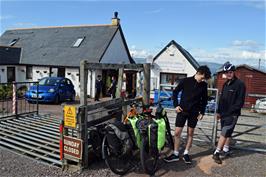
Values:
[(228, 67)]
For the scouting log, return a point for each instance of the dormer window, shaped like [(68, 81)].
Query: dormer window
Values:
[(78, 42), (13, 42)]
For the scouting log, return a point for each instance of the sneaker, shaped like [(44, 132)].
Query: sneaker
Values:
[(216, 158), (187, 159), (171, 158), (226, 154)]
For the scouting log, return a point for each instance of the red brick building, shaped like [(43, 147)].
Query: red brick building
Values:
[(254, 79)]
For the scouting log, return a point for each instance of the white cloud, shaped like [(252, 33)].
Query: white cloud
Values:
[(247, 43), (240, 52), (5, 17), (138, 53)]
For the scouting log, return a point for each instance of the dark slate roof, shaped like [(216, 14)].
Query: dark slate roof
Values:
[(9, 55), (244, 66), (54, 45), (186, 54)]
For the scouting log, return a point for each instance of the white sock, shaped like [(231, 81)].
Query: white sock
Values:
[(226, 148), (217, 150), (176, 153), (185, 152)]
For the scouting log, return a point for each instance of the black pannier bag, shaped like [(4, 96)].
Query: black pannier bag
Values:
[(118, 138), (153, 137), (95, 137)]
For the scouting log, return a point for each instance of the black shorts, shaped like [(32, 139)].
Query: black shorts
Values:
[(227, 125), (182, 117)]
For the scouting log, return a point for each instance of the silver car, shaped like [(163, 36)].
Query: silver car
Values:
[(260, 105)]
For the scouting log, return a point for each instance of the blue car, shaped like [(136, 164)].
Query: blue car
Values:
[(52, 89)]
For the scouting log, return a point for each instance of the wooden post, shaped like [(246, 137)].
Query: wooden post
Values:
[(82, 132), (83, 82), (119, 83), (119, 89), (146, 83)]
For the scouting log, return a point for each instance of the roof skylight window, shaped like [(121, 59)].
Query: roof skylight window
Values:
[(78, 42), (13, 42)]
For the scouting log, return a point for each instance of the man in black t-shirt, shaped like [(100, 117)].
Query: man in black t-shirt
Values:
[(191, 109)]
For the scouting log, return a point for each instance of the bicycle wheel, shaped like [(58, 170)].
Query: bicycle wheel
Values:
[(148, 161), (117, 163)]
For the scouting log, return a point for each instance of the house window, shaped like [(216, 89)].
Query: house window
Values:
[(13, 42), (28, 72), (78, 42), (171, 78)]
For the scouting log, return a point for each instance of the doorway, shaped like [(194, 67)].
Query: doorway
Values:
[(61, 72), (107, 80), (11, 74)]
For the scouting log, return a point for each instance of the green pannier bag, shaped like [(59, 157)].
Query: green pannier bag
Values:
[(156, 133), (133, 121)]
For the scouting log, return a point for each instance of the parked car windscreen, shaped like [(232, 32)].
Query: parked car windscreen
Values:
[(49, 81)]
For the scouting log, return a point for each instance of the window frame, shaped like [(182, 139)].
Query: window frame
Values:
[(173, 77), (78, 42)]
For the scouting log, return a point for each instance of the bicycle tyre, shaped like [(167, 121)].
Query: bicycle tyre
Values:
[(113, 161), (148, 162)]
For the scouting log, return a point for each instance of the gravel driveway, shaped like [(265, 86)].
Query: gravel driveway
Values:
[(242, 163)]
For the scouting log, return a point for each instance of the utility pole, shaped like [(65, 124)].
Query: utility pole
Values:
[(259, 62)]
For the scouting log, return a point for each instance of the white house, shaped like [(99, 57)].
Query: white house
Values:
[(33, 53), (171, 64)]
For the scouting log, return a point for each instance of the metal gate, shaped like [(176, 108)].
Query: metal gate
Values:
[(206, 129), (250, 132), (13, 101)]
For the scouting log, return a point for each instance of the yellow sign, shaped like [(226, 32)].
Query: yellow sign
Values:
[(70, 116)]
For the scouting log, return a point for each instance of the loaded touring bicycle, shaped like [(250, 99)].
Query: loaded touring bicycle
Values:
[(140, 134)]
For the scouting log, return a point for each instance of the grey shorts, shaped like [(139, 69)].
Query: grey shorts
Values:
[(227, 125)]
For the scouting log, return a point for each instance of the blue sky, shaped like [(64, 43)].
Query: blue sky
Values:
[(214, 31)]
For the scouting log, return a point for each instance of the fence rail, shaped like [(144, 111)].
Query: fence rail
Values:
[(13, 101)]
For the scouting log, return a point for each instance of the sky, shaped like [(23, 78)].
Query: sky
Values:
[(213, 31)]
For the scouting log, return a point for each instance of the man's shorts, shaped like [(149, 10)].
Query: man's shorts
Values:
[(227, 125), (182, 117)]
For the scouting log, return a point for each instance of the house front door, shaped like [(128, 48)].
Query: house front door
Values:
[(11, 74), (61, 72)]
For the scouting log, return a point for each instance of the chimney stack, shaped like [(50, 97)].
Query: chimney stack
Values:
[(115, 19)]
